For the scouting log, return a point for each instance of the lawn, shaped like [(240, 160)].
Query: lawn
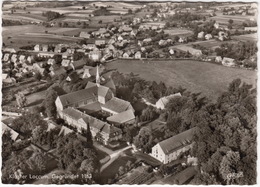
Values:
[(112, 170), (196, 76)]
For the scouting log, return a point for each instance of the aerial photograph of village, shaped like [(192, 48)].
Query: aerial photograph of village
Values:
[(129, 92)]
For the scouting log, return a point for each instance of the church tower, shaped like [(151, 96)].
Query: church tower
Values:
[(97, 78)]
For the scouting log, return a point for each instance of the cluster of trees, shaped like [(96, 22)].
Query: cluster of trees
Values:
[(26, 123), (239, 51), (78, 156), (102, 11), (226, 137), (51, 15)]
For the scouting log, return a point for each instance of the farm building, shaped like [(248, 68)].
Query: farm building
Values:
[(191, 50), (162, 102), (169, 149)]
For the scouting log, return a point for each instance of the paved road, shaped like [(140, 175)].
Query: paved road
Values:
[(113, 157)]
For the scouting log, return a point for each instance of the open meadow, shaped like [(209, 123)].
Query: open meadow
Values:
[(196, 76)]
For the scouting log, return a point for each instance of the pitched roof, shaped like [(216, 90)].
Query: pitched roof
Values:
[(79, 63), (102, 91), (64, 131), (117, 105), (110, 84), (111, 130), (5, 128), (122, 117), (176, 142), (77, 96), (166, 99), (91, 108)]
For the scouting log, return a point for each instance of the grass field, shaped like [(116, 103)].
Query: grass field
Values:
[(178, 32), (110, 171), (246, 37), (209, 79)]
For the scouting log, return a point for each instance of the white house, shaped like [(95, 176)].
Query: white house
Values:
[(168, 150), (229, 62), (201, 34), (162, 102), (208, 36)]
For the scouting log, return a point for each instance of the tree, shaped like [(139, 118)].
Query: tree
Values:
[(83, 8), (144, 140), (38, 76), (21, 99), (130, 11), (230, 21), (49, 102)]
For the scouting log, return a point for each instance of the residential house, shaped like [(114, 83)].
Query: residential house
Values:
[(100, 42), (37, 48), (6, 57), (51, 61), (45, 48), (201, 35), (171, 51), (95, 55), (84, 35), (38, 68), (138, 55), (58, 71), (218, 59), (72, 77), (77, 64), (46, 55), (147, 40), (229, 62), (208, 36), (14, 58), (170, 149), (65, 62), (58, 48), (89, 46), (162, 102), (120, 38), (222, 35)]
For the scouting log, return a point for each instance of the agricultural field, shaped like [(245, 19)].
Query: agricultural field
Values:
[(246, 37), (32, 34), (178, 32), (238, 19), (198, 77)]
